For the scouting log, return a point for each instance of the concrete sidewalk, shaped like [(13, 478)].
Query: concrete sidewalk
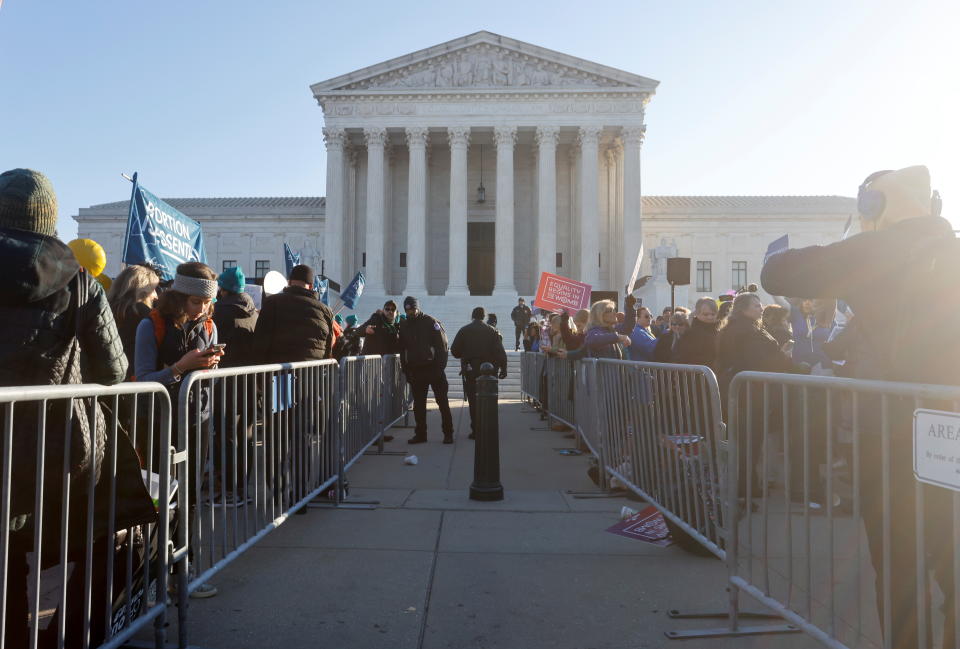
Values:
[(431, 569)]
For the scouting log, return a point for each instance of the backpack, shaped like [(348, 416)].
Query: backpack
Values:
[(160, 330)]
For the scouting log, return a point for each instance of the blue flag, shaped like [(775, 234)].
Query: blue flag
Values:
[(778, 246), (354, 290), (322, 287), (291, 258), (160, 235)]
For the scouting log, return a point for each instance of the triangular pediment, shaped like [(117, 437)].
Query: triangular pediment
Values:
[(484, 61)]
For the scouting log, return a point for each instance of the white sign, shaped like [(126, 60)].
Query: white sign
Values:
[(936, 448)]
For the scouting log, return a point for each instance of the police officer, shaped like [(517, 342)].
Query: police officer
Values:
[(423, 358), (475, 344)]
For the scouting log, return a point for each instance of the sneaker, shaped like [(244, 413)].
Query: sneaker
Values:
[(448, 438), (204, 591), (417, 439)]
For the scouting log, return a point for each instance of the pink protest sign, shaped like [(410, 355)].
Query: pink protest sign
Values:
[(647, 525), (557, 293)]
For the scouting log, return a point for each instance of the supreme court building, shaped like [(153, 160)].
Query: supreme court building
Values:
[(468, 168)]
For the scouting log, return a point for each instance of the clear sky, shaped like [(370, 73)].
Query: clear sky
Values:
[(211, 98)]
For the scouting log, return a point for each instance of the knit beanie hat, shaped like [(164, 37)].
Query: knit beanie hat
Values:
[(301, 273), (338, 319), (351, 320), (906, 193), (27, 202), (411, 302), (232, 280)]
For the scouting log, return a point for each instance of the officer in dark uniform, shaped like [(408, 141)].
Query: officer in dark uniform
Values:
[(475, 344), (423, 358)]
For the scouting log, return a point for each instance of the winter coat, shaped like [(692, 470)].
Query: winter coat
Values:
[(293, 326), (44, 330), (604, 341), (385, 338), (423, 345), (521, 315), (572, 341), (742, 346), (782, 334), (478, 343), (909, 268), (642, 344), (698, 346), (665, 349), (235, 315), (127, 326)]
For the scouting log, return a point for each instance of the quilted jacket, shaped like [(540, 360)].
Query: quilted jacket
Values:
[(40, 326)]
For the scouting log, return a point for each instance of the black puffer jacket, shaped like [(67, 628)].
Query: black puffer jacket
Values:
[(236, 318), (127, 326), (698, 346), (385, 338), (293, 326), (423, 345), (39, 324)]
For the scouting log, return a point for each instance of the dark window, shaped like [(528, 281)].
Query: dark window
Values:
[(364, 262), (262, 268), (559, 260), (704, 276), (403, 260), (739, 275), (229, 263)]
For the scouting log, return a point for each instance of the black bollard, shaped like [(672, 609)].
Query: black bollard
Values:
[(486, 458)]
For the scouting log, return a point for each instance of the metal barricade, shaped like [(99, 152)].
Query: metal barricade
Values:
[(395, 390), (361, 380), (833, 530), (531, 370), (83, 550), (659, 434), (262, 441), (560, 388)]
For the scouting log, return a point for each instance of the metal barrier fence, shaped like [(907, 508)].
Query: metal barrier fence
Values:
[(361, 383), (840, 537), (262, 441), (531, 371), (395, 391), (84, 531), (660, 429), (560, 389)]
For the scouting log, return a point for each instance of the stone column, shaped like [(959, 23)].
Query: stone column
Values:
[(333, 228), (632, 202), (546, 234), (589, 204), (417, 212), (376, 139), (459, 137), (505, 138)]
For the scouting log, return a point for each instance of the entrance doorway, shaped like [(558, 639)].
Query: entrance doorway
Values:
[(481, 258)]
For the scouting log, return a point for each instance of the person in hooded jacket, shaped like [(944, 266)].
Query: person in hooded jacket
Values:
[(57, 329), (605, 337), (381, 331), (698, 346), (905, 257), (235, 315)]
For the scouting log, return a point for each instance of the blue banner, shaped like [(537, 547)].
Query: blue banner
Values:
[(322, 287), (160, 235), (353, 291), (291, 258), (778, 246)]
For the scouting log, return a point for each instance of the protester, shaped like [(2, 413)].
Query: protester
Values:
[(642, 339), (521, 316), (423, 358), (605, 337), (574, 335), (57, 329), (743, 345), (724, 311), (235, 315), (811, 321), (475, 344), (294, 325), (698, 346), (775, 322), (664, 321), (131, 297), (905, 260), (382, 331), (531, 338), (667, 344)]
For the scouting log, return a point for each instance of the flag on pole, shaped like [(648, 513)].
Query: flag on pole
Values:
[(778, 246), (290, 257), (636, 271), (160, 235), (322, 287), (847, 227), (353, 291)]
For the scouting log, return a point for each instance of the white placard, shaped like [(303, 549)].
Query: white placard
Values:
[(936, 448), (255, 291)]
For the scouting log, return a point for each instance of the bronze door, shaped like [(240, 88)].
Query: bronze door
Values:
[(481, 258)]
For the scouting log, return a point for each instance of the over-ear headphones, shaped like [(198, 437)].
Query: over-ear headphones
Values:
[(871, 202)]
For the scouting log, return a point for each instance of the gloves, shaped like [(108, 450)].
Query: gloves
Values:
[(503, 373), (629, 302)]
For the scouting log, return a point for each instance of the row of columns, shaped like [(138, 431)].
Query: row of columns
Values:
[(505, 138)]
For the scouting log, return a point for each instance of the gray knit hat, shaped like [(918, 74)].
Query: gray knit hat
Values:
[(27, 202)]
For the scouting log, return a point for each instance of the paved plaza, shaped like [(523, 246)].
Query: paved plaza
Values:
[(429, 568)]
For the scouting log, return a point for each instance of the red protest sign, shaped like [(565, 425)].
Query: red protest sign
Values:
[(556, 293)]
